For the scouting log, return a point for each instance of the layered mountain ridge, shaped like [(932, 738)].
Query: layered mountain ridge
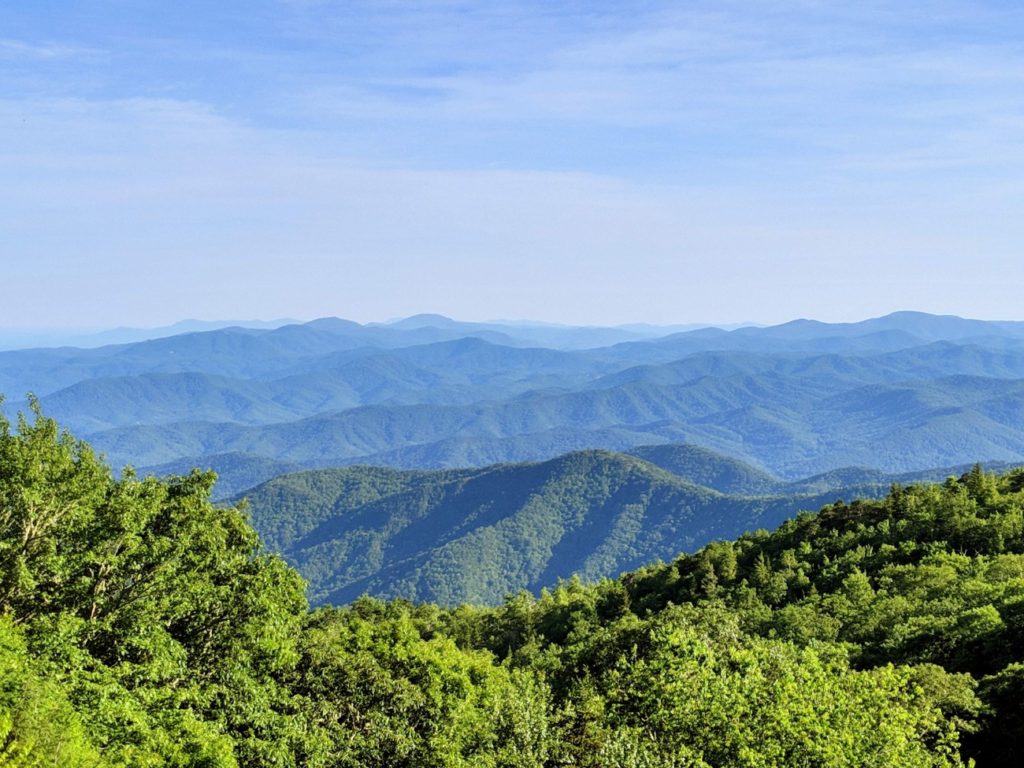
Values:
[(478, 535), (899, 393)]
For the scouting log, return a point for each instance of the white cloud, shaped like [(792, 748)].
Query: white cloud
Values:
[(26, 51), (822, 87), (146, 211), (814, 158)]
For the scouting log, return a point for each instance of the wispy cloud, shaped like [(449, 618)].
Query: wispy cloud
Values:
[(827, 84), (570, 161), (20, 49), (151, 203)]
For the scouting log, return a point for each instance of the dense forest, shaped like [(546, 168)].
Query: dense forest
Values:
[(143, 625), (477, 535)]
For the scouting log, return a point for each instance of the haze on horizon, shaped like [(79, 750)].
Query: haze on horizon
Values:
[(585, 163)]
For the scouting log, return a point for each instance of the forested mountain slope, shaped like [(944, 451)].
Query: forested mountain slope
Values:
[(476, 535), (141, 625), (794, 428)]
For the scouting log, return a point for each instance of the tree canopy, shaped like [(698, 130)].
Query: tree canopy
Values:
[(143, 625)]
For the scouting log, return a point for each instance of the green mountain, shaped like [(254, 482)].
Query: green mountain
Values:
[(793, 426), (714, 470), (477, 535), (931, 575), (142, 625)]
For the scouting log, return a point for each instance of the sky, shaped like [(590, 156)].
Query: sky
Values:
[(579, 162)]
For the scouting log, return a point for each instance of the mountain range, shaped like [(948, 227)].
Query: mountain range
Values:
[(899, 393), (478, 535)]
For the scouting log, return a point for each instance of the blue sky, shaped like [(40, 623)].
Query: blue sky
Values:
[(577, 162)]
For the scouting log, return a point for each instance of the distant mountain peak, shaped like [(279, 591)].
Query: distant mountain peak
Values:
[(332, 324), (424, 320), (909, 313)]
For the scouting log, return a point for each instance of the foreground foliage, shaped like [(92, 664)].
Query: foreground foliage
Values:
[(141, 625)]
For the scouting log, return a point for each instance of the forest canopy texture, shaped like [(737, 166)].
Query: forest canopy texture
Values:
[(142, 625)]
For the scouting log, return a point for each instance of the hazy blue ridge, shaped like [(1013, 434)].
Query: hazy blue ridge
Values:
[(901, 393), (793, 426)]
